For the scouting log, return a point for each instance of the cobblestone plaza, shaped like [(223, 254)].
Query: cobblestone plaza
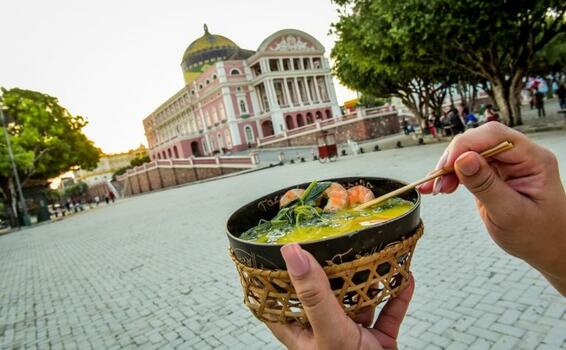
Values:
[(152, 271)]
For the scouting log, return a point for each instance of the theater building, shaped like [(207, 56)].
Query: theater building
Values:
[(234, 97)]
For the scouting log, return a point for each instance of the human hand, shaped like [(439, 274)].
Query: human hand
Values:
[(519, 195), (331, 328)]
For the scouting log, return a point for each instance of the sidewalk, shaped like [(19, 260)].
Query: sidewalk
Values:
[(552, 121)]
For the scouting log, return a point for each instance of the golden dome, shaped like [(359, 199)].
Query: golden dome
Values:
[(205, 50)]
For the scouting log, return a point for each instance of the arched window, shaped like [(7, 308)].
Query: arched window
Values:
[(249, 134), (289, 122), (195, 149), (164, 155), (300, 120), (267, 128), (169, 153), (328, 114), (309, 118), (175, 151), (235, 72), (159, 155), (242, 106), (318, 115)]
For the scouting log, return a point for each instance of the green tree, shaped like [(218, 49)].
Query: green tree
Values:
[(139, 161), (550, 62), (493, 40), (46, 139), (369, 59), (369, 101), (133, 163)]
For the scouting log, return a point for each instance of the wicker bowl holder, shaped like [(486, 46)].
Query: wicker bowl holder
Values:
[(364, 282)]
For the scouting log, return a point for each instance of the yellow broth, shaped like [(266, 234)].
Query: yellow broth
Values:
[(333, 224)]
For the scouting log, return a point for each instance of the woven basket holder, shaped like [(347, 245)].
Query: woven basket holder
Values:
[(358, 284)]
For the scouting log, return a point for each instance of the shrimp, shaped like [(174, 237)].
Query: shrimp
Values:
[(359, 195), (290, 196), (337, 197)]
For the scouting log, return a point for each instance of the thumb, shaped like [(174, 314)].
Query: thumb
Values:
[(474, 172), (325, 315)]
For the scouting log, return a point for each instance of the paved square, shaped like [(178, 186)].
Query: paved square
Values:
[(152, 272)]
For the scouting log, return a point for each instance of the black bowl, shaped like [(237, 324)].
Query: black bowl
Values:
[(336, 249)]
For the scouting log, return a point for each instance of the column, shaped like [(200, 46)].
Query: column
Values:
[(317, 93), (299, 98), (259, 130), (307, 89), (336, 111), (288, 97), (255, 101), (270, 91)]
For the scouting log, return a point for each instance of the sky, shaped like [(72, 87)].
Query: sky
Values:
[(114, 62)]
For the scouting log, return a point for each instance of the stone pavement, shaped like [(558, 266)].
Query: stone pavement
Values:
[(152, 272)]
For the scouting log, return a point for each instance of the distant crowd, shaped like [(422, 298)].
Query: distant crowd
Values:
[(78, 204), (456, 120)]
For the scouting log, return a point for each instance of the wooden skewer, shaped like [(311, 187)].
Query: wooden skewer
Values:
[(502, 147)]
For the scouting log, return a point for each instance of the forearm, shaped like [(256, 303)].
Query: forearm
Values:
[(554, 266), (558, 283)]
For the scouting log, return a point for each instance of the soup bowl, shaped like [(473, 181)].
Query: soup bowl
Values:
[(365, 267)]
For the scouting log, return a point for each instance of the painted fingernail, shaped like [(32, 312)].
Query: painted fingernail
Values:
[(442, 161), (295, 259), (437, 186)]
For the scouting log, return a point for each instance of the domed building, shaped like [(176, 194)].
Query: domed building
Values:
[(206, 50), (235, 98)]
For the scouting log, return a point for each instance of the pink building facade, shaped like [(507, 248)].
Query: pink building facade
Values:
[(235, 97)]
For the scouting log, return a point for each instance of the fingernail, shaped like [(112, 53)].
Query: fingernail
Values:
[(468, 164), (442, 161), (437, 186), (295, 259)]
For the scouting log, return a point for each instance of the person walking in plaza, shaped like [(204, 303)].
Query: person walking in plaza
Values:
[(521, 201), (456, 122), (111, 196), (490, 115), (539, 103), (561, 92)]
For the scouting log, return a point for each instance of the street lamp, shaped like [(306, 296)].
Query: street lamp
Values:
[(25, 217)]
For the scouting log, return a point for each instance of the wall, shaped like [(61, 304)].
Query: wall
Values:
[(145, 179), (361, 130)]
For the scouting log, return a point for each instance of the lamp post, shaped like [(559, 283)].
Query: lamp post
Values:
[(25, 217)]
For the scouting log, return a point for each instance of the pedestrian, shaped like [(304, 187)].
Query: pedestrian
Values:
[(470, 119), (524, 217), (430, 125), (112, 196), (539, 103), (490, 115), (532, 98), (405, 125), (456, 123), (561, 92), (106, 199), (437, 124)]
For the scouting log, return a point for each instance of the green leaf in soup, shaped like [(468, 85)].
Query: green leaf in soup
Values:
[(315, 190)]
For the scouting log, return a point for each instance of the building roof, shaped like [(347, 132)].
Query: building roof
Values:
[(207, 49)]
